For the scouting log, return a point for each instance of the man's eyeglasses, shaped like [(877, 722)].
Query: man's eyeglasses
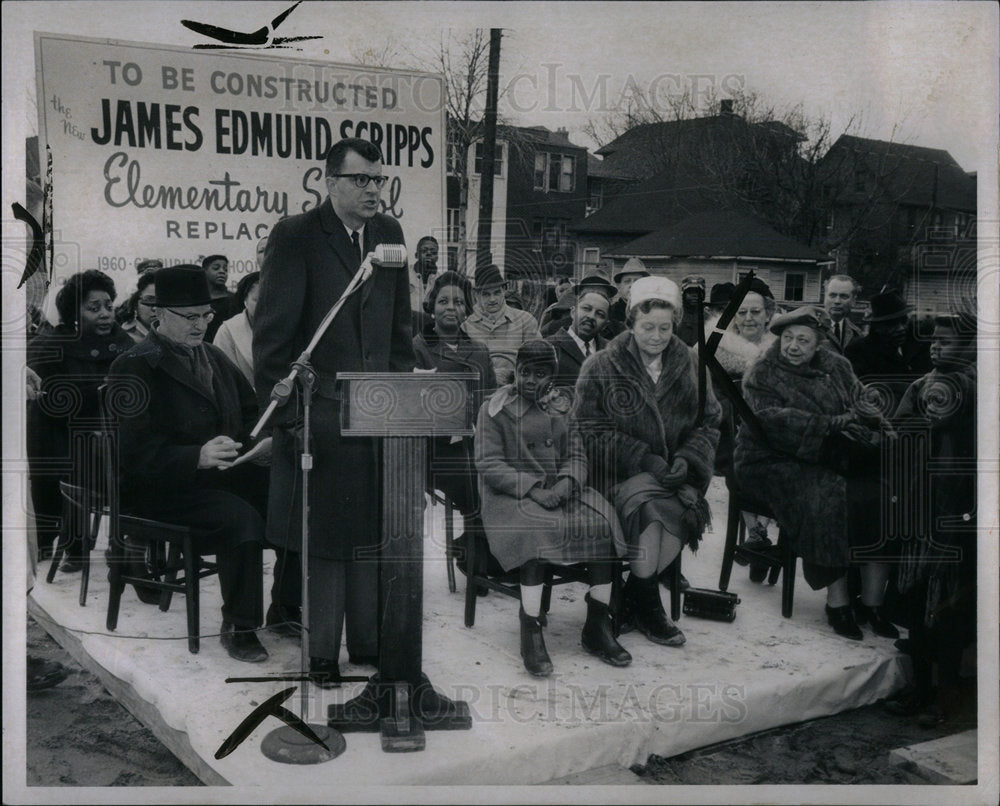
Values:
[(362, 180), (194, 318), (148, 302)]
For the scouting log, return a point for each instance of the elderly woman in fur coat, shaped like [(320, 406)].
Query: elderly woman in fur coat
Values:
[(650, 453), (813, 417)]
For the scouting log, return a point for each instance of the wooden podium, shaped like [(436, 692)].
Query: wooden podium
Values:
[(402, 410)]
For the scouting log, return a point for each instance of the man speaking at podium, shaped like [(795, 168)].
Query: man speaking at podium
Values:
[(309, 261)]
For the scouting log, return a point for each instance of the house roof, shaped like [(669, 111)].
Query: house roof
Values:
[(908, 172), (679, 191), (719, 233), (596, 168)]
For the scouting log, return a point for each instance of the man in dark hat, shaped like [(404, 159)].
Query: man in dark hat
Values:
[(309, 261), (891, 356), (500, 327), (582, 337), (224, 305), (183, 413)]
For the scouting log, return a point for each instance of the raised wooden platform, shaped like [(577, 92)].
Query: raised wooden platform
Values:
[(729, 680), (949, 760)]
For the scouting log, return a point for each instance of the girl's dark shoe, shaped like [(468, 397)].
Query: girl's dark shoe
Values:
[(843, 623), (598, 636), (536, 657)]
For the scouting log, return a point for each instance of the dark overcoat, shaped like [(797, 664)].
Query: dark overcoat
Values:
[(164, 417), (795, 406), (885, 371), (570, 357), (308, 263)]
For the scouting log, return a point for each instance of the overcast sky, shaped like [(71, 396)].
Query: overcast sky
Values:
[(920, 72)]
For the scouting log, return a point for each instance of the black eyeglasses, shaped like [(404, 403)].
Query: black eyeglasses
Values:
[(148, 302), (193, 318), (362, 180)]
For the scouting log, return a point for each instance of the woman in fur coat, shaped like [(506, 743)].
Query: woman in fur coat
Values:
[(650, 452), (812, 411)]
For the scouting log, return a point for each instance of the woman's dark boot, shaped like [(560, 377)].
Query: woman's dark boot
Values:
[(843, 623), (642, 600), (598, 636), (873, 616), (536, 658)]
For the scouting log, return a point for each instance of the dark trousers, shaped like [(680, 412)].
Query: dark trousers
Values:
[(229, 527), (341, 590), (286, 589)]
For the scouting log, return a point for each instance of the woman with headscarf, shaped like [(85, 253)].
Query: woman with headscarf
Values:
[(70, 363), (813, 459), (651, 450), (235, 336)]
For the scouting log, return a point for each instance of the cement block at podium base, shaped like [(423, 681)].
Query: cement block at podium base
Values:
[(948, 760)]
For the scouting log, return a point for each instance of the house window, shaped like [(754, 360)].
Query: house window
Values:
[(497, 161), (591, 259), (454, 225), (555, 172), (795, 286), (541, 169), (596, 197), (568, 176)]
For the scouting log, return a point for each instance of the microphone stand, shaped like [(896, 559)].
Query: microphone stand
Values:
[(292, 743)]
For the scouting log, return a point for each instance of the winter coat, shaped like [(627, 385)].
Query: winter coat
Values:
[(235, 339), (942, 406), (795, 406), (885, 371), (308, 263), (519, 446), (502, 337), (72, 369), (452, 470), (570, 356), (624, 417), (164, 416)]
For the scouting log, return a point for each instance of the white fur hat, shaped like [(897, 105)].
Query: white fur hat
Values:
[(654, 288)]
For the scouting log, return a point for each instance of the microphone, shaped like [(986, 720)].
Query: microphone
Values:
[(390, 255)]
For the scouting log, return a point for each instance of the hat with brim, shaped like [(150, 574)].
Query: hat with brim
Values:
[(183, 286), (809, 315), (758, 286), (647, 288), (595, 282), (721, 294), (488, 277), (632, 266), (886, 308)]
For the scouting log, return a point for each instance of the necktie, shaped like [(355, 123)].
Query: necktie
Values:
[(840, 333), (357, 244), (586, 349)]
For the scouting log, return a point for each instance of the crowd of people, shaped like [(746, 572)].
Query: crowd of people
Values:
[(595, 442)]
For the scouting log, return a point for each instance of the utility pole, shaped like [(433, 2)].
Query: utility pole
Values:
[(484, 256)]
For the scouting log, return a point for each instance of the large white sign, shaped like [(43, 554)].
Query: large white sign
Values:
[(176, 154)]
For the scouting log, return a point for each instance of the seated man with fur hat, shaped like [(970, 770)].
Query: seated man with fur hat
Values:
[(183, 412)]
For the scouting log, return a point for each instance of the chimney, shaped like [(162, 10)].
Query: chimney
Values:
[(563, 133), (726, 106)]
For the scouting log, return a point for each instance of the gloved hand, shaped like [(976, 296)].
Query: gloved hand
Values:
[(677, 473), (840, 421), (545, 498)]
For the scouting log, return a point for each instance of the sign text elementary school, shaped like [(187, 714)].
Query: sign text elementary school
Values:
[(163, 152)]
